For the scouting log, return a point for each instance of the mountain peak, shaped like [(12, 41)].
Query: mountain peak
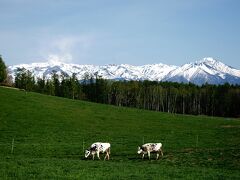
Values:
[(208, 60)]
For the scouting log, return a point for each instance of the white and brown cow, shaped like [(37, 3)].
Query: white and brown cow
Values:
[(150, 148), (97, 148)]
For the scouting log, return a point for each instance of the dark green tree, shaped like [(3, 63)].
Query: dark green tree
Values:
[(20, 78), (24, 79), (3, 70), (73, 86), (40, 85), (30, 81), (56, 83)]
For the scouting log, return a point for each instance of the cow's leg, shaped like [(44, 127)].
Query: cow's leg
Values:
[(157, 155), (142, 155), (98, 155), (149, 155), (161, 152), (105, 156), (93, 156), (109, 154)]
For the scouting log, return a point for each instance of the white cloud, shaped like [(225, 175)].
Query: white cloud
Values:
[(66, 48), (54, 58)]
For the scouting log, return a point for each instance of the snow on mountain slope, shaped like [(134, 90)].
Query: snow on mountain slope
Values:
[(118, 72), (206, 70)]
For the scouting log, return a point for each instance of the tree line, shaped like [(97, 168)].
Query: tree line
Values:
[(211, 100)]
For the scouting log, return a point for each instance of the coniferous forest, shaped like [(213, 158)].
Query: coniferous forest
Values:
[(211, 100)]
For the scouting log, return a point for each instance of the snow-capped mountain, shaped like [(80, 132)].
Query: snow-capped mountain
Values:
[(111, 71), (206, 70)]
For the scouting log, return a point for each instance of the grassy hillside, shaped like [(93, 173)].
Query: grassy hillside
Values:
[(50, 134)]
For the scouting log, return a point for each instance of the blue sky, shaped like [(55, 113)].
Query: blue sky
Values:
[(120, 31)]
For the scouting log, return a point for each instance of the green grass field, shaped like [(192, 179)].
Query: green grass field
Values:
[(50, 134)]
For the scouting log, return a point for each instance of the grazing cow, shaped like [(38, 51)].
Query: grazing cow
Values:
[(97, 148), (150, 148)]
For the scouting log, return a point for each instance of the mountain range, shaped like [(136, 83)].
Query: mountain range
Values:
[(207, 70)]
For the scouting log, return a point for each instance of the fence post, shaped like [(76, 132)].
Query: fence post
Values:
[(83, 145), (12, 145), (197, 141)]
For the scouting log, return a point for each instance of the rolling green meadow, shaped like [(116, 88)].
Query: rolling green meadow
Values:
[(44, 137)]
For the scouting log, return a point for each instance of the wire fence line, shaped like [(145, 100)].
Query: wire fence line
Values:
[(84, 145), (171, 140)]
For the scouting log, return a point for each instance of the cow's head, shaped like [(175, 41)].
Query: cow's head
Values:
[(139, 150), (87, 153)]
